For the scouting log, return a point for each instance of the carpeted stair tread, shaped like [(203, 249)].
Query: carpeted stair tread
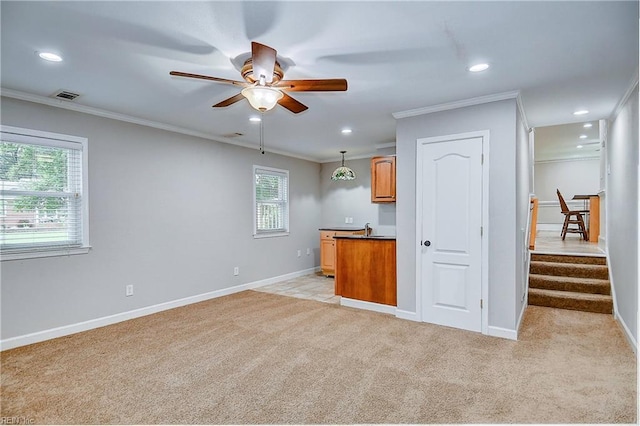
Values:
[(559, 258), (598, 303), (576, 284), (570, 270)]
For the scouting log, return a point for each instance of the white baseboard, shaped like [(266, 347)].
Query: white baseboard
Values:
[(370, 306), (66, 330), (549, 227), (525, 303), (602, 243), (504, 333), (627, 333), (407, 315)]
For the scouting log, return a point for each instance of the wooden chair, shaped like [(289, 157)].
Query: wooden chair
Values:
[(572, 217)]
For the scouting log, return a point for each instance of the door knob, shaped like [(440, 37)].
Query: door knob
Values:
[(427, 243)]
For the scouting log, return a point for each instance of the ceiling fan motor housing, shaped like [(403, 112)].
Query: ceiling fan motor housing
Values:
[(247, 72)]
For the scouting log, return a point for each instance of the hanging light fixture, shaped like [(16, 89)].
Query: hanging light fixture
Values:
[(342, 172)]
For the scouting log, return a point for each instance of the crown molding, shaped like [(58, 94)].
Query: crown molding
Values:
[(386, 145), (459, 104), (565, 160), (633, 85), (57, 103)]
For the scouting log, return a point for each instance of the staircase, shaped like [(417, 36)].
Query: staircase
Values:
[(579, 283)]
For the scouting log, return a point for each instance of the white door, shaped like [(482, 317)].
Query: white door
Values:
[(450, 195)]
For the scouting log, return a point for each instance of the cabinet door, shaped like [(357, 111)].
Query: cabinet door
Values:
[(383, 179), (327, 255)]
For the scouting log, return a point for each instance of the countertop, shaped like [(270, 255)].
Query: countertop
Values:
[(362, 237)]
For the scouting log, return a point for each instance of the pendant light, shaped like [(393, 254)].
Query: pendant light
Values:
[(342, 172)]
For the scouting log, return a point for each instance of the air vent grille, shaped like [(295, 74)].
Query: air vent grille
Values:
[(233, 135), (65, 95)]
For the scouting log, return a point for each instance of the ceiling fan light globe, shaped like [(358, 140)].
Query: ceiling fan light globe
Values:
[(262, 98)]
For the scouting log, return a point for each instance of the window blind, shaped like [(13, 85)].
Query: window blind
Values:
[(271, 200), (41, 193)]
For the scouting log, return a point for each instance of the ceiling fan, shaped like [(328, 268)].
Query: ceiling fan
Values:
[(264, 87)]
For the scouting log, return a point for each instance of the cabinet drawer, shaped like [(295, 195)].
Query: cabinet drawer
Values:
[(325, 235)]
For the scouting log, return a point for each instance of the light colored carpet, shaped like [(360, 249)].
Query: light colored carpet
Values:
[(261, 358)]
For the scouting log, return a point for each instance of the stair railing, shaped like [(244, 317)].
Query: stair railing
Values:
[(533, 215)]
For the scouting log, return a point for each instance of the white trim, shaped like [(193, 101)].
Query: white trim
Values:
[(625, 328), (385, 145), (66, 330), (522, 114), (549, 227), (524, 308), (485, 136), (76, 143), (57, 103), (602, 243), (628, 335), (407, 315), (275, 172), (37, 254), (458, 104), (504, 333), (632, 86), (565, 160), (369, 306)]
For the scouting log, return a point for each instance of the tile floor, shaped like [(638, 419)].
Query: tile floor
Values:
[(321, 288), (314, 287)]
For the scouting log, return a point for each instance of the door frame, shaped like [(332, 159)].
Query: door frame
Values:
[(484, 266)]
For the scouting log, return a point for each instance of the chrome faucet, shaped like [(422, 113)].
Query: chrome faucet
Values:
[(367, 229)]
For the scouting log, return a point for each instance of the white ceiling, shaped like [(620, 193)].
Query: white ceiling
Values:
[(560, 142), (396, 56)]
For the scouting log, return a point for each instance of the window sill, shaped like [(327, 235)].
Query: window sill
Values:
[(274, 234), (35, 254)]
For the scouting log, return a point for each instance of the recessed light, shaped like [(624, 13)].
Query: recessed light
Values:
[(255, 119), (581, 112), (578, 146), (346, 131), (51, 57), (478, 67), (583, 136), (587, 125)]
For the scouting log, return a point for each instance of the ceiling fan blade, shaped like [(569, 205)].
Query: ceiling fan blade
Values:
[(291, 104), (263, 59), (206, 77), (328, 85), (232, 100)]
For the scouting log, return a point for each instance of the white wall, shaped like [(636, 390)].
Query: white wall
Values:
[(622, 208), (524, 187), (169, 213), (571, 177), (342, 199), (504, 278)]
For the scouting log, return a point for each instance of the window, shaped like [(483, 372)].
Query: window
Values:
[(43, 194), (271, 202)]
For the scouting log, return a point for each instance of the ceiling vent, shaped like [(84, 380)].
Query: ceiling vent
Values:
[(233, 135), (65, 95)]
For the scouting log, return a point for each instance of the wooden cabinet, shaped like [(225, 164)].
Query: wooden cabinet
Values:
[(328, 248), (366, 270), (383, 179)]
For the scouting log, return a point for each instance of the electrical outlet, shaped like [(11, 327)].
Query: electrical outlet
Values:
[(236, 270), (346, 219), (129, 290), (299, 253), (308, 251)]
